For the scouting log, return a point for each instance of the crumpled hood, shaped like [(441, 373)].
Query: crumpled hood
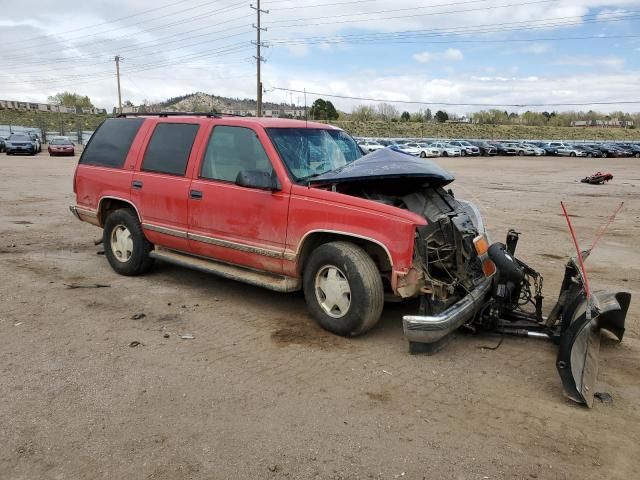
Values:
[(387, 163)]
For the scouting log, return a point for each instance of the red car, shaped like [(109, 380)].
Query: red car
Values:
[(289, 205), (61, 146)]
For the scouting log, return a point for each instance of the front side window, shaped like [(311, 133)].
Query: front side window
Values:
[(169, 148), (308, 152), (232, 150)]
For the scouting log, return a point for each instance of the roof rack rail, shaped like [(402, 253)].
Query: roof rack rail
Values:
[(171, 114)]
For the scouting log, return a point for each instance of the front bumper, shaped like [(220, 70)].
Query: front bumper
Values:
[(433, 328)]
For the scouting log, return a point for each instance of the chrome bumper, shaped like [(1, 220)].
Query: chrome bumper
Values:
[(433, 328)]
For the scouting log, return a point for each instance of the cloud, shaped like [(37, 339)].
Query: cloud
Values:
[(608, 14), (423, 57), (536, 48), (450, 54), (499, 89), (614, 63)]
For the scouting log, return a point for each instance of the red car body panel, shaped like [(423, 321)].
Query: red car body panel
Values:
[(254, 228)]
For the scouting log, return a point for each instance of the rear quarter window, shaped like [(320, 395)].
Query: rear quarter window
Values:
[(110, 143)]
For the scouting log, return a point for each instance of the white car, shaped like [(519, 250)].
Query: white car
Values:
[(426, 150), (446, 150), (537, 150), (465, 147), (370, 146), (520, 149), (570, 151)]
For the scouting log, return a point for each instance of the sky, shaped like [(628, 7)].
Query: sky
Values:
[(461, 56)]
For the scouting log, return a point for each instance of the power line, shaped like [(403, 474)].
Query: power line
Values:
[(398, 37), (190, 19), (99, 24), (360, 19), (450, 104)]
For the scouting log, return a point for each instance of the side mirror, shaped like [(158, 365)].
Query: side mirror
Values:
[(258, 179)]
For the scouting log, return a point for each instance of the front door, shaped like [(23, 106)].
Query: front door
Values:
[(236, 224)]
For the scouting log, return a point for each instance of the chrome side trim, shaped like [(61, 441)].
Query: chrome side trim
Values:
[(433, 328), (243, 247), (74, 210), (167, 231)]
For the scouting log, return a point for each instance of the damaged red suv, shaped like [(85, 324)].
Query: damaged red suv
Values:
[(290, 205)]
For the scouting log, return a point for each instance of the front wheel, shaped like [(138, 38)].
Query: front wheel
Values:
[(423, 155), (343, 289), (521, 153), (125, 246)]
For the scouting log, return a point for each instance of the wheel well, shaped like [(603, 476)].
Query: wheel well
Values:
[(378, 253), (108, 205)]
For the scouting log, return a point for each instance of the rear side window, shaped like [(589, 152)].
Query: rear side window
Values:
[(169, 148), (110, 144)]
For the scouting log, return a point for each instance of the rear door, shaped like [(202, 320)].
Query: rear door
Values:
[(236, 224), (160, 186)]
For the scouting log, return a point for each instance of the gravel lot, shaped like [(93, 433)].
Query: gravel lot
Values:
[(262, 392)]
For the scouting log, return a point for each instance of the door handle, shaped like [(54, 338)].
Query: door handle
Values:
[(195, 194), (137, 184)]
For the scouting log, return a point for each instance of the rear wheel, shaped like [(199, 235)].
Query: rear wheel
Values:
[(462, 153), (125, 245), (445, 154), (343, 289), (521, 153), (572, 154), (589, 155)]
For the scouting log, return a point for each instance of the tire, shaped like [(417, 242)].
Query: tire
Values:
[(637, 155), (423, 155), (572, 154), (445, 154), (127, 262), (462, 153), (589, 155), (351, 268), (521, 153)]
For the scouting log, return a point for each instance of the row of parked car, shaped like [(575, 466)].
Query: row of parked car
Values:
[(461, 148), (29, 143)]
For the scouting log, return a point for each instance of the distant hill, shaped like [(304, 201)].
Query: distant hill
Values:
[(204, 102)]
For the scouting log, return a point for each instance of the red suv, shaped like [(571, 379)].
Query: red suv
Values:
[(287, 205)]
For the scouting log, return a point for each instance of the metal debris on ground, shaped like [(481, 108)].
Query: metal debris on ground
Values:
[(604, 397), (135, 343), (137, 316), (86, 285), (187, 336), (598, 178)]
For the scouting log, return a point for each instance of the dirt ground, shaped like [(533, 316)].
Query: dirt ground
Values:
[(262, 392)]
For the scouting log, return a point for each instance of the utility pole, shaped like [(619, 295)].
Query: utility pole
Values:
[(258, 57), (117, 59)]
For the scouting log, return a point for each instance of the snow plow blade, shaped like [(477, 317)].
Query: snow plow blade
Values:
[(579, 340)]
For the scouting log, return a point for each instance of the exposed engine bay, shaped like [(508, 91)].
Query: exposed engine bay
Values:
[(463, 280), (444, 252)]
